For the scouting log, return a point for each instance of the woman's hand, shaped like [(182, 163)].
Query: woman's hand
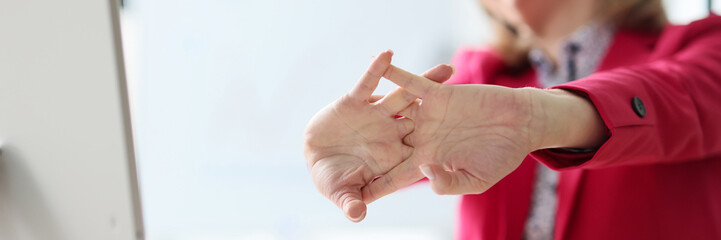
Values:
[(357, 138), (468, 137)]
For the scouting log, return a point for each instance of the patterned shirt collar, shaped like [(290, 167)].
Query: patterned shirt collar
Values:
[(585, 48)]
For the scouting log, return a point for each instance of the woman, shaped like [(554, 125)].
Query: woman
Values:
[(629, 121)]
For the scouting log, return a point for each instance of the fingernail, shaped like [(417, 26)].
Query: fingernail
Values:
[(390, 51), (358, 218), (453, 69), (426, 170)]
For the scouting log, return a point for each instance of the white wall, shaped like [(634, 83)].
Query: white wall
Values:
[(685, 11)]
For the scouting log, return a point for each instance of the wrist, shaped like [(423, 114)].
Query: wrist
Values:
[(567, 120)]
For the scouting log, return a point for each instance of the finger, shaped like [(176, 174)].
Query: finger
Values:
[(399, 98), (369, 81), (446, 182), (352, 204), (375, 98), (407, 152), (341, 182), (416, 85), (405, 126), (402, 175), (395, 101), (411, 111), (439, 73), (349, 200)]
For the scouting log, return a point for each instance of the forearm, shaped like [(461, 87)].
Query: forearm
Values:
[(567, 120)]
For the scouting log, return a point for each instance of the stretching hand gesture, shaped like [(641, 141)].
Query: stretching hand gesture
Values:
[(469, 137), (358, 137), (466, 137)]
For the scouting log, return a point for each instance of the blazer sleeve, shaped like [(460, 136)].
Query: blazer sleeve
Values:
[(664, 111)]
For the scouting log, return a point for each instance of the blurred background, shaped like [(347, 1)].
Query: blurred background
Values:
[(221, 91)]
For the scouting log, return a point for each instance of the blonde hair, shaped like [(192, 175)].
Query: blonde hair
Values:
[(635, 15)]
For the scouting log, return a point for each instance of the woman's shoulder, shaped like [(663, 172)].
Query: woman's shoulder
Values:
[(712, 21), (678, 36)]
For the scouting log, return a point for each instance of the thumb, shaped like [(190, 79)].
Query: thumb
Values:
[(353, 206), (439, 73), (332, 178), (446, 182)]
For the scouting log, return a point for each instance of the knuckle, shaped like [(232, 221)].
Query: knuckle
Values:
[(341, 198)]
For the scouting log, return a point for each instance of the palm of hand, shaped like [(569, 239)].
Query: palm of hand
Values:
[(353, 142), (362, 131), (464, 133), (482, 142), (356, 138)]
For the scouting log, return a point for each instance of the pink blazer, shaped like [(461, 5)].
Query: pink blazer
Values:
[(658, 176)]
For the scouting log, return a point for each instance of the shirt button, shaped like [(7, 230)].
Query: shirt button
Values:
[(638, 107)]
